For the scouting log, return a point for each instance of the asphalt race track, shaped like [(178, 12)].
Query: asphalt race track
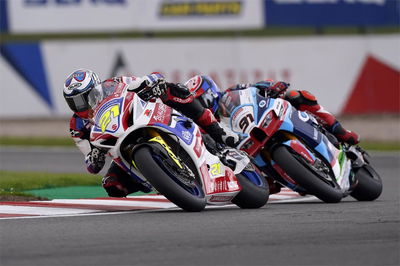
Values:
[(307, 233)]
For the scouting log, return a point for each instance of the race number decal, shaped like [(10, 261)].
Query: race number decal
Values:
[(245, 122), (107, 117), (242, 119), (215, 169)]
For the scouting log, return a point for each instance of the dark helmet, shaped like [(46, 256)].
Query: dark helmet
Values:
[(206, 91), (77, 87)]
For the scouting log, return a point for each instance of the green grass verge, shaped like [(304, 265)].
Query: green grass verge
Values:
[(20, 181), (270, 31), (15, 183), (381, 146), (37, 141), (68, 142)]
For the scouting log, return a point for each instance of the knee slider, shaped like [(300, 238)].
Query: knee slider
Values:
[(292, 95), (307, 95)]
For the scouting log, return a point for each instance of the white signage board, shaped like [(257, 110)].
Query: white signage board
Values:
[(326, 66), (63, 16)]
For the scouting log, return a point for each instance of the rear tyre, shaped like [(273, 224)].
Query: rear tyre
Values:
[(160, 175), (305, 177), (369, 186), (254, 193)]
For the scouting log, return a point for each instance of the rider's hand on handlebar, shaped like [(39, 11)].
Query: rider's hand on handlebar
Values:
[(278, 88), (153, 88)]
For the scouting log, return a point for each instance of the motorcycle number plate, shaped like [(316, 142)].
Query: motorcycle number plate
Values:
[(242, 119), (107, 118)]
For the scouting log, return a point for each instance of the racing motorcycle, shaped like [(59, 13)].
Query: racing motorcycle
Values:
[(164, 150), (293, 149)]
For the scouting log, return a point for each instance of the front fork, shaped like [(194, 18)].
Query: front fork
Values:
[(156, 137)]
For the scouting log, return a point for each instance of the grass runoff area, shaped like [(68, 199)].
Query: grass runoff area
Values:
[(270, 31), (17, 186), (25, 186), (68, 142)]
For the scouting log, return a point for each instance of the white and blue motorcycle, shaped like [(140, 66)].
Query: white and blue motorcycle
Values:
[(292, 148)]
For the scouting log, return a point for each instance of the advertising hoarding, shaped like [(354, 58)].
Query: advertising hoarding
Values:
[(330, 67), (64, 16), (332, 13)]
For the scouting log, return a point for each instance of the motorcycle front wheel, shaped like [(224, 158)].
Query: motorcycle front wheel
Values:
[(312, 181), (369, 184), (186, 193)]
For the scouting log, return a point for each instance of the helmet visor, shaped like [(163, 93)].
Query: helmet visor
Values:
[(78, 103)]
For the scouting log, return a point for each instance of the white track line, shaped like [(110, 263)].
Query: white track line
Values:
[(78, 207)]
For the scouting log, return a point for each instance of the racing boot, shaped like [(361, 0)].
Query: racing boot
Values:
[(344, 135), (305, 101), (113, 187), (118, 183), (210, 124)]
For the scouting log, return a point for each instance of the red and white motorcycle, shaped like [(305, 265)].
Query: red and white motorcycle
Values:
[(162, 149)]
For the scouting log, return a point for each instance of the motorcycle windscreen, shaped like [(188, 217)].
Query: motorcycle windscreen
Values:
[(229, 102), (100, 92)]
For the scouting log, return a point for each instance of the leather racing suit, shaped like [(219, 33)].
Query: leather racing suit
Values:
[(117, 182)]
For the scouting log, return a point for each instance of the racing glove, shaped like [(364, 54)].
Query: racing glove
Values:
[(274, 89), (230, 139), (153, 85), (95, 160)]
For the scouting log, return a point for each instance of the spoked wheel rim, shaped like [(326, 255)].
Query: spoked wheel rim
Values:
[(184, 178)]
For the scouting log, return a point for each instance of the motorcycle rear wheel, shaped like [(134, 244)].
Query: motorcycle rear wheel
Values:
[(251, 196), (160, 177), (369, 186), (306, 178)]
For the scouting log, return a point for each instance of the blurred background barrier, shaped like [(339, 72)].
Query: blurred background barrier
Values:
[(349, 75), (55, 16), (344, 51)]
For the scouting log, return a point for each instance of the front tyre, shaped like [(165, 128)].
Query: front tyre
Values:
[(160, 175), (310, 180), (369, 186), (254, 193)]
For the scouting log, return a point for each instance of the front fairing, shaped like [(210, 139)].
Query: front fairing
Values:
[(239, 110), (120, 115), (245, 110), (112, 114)]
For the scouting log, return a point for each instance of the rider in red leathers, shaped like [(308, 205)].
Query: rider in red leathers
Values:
[(303, 100), (300, 99), (80, 83)]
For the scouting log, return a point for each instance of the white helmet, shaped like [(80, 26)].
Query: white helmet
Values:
[(77, 87)]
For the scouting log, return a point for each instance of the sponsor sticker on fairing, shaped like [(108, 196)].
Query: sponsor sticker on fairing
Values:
[(221, 198), (232, 185), (186, 135)]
